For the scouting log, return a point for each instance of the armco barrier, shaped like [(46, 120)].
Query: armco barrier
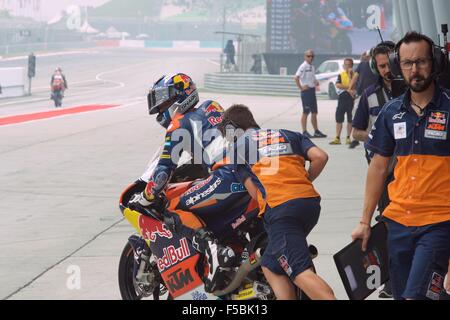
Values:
[(109, 43), (237, 83), (158, 44), (161, 44), (132, 44)]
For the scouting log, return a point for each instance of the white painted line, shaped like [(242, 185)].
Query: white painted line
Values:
[(213, 62), (22, 101)]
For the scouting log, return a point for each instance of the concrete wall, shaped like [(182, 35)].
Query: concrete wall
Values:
[(13, 82)]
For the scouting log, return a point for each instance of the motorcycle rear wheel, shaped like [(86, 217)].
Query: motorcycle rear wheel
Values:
[(129, 288)]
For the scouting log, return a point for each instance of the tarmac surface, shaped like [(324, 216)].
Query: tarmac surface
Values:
[(61, 177)]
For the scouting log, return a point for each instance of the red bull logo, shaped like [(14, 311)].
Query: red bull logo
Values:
[(214, 107), (184, 79), (173, 255), (438, 117), (215, 120), (151, 228)]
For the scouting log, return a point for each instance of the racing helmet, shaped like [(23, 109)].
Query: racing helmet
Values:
[(171, 95)]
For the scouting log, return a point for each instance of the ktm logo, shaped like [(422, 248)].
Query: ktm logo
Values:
[(179, 279)]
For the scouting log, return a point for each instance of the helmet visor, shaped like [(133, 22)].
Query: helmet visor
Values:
[(160, 99)]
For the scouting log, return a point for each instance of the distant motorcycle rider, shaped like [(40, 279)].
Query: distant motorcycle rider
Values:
[(58, 81), (174, 99)]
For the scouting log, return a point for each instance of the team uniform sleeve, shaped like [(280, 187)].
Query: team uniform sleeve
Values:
[(361, 119), (244, 158), (300, 143), (381, 140)]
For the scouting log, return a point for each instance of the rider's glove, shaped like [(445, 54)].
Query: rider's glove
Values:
[(140, 200)]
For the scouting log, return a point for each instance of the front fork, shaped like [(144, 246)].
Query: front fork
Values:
[(142, 256)]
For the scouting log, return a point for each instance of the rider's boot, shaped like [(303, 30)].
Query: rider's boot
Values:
[(217, 255)]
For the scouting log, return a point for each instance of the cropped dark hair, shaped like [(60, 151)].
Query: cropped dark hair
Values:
[(239, 116), (349, 59), (414, 36), (380, 50)]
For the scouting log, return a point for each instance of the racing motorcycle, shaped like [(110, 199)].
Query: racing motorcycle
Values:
[(158, 263), (57, 91)]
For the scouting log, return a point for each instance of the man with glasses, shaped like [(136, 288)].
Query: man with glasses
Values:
[(372, 101), (414, 129), (306, 81)]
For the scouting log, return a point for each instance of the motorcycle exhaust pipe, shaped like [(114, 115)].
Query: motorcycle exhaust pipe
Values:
[(247, 267)]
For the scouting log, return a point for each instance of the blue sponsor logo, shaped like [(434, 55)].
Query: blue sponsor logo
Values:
[(237, 187)]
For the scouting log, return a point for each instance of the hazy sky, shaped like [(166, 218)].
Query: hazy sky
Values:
[(51, 8)]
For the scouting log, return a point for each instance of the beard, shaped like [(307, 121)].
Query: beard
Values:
[(388, 77), (420, 84)]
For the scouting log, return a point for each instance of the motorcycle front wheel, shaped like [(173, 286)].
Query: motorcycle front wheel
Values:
[(130, 289)]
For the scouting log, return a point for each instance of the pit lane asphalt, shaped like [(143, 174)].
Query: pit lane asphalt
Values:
[(61, 178)]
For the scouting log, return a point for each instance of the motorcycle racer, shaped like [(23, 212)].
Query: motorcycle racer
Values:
[(174, 99)]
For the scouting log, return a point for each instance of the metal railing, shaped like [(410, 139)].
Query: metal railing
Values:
[(262, 84)]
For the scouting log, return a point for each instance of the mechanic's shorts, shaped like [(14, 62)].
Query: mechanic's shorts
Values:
[(309, 101), (287, 227), (345, 107), (418, 260)]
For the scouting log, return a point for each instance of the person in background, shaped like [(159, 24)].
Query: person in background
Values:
[(372, 101), (362, 79), (345, 102), (306, 81), (230, 52), (58, 81), (257, 64)]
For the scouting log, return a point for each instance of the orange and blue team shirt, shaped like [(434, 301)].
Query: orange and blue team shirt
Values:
[(275, 161), (187, 132), (420, 191)]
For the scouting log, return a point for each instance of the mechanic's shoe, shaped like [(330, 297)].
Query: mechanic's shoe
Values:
[(386, 292), (319, 134), (307, 134), (348, 141), (336, 141), (353, 144)]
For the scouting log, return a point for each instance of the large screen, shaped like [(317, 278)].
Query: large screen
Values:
[(327, 26)]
